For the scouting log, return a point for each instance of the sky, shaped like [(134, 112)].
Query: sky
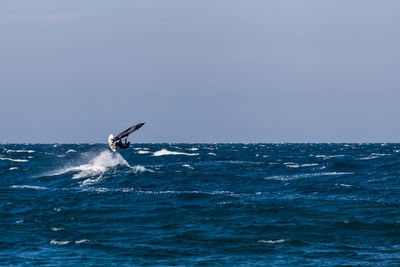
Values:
[(200, 71)]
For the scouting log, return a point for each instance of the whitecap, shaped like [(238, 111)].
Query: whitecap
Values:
[(346, 185), (164, 152), (82, 241), (306, 175), (291, 165), (188, 166), (97, 166), (90, 181), (143, 152), (279, 241), (140, 168), (30, 187), (14, 160), (329, 157), (56, 229), (221, 193), (19, 151), (373, 156), (13, 168), (98, 190), (211, 154), (59, 243), (70, 151), (309, 165), (193, 149), (336, 156)]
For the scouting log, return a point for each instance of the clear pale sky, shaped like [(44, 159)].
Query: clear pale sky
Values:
[(200, 71)]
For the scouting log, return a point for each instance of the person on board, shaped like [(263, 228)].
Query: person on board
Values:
[(122, 145)]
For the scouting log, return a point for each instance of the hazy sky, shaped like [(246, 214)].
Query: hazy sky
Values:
[(200, 71)]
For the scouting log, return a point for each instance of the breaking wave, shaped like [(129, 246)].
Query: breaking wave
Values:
[(14, 160), (99, 165), (306, 175), (29, 187), (279, 241), (164, 152), (19, 151)]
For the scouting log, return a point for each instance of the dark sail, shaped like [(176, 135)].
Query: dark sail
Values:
[(128, 131)]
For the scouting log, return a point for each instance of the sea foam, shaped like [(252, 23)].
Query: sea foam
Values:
[(19, 151), (29, 187), (14, 160), (164, 152), (96, 166), (279, 241)]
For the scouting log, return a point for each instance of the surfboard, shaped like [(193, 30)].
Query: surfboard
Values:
[(112, 140)]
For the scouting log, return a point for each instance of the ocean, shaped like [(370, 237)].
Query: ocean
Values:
[(200, 204)]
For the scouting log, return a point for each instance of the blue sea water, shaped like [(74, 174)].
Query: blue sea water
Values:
[(200, 204)]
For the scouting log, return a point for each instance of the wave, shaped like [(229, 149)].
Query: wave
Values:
[(81, 241), (172, 192), (325, 157), (14, 160), (291, 165), (374, 156), (62, 243), (70, 151), (164, 152), (100, 164), (59, 243), (29, 187), (19, 151), (306, 175), (279, 241), (188, 166), (309, 165), (295, 165)]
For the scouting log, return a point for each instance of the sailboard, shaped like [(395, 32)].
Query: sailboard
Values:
[(112, 140)]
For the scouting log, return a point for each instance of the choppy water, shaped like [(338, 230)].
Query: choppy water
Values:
[(200, 204)]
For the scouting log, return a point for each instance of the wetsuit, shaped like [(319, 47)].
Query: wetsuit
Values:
[(123, 145)]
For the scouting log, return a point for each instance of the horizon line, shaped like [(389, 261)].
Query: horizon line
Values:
[(199, 143)]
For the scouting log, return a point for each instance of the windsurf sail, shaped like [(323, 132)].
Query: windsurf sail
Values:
[(127, 132)]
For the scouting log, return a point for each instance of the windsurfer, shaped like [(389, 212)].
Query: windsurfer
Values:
[(124, 145)]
